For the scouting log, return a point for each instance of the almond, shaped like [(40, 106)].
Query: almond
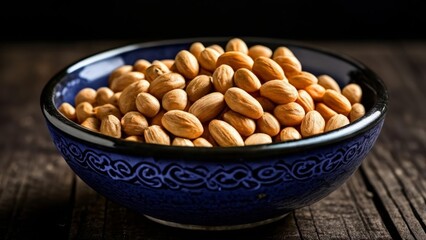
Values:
[(267, 105), (134, 138), (141, 65), (178, 141), (312, 124), (244, 125), (352, 92), (316, 91), (225, 134), (105, 110), (155, 70), (103, 95), (337, 102), (325, 111), (196, 48), (335, 122), (305, 100), (133, 123), (85, 95), (182, 124), (242, 102), (91, 123), (121, 82), (289, 133), (208, 107), (83, 111), (119, 71), (165, 83), (246, 80), (198, 87), (201, 142), (290, 65), (208, 58), (302, 79), (155, 134), (127, 100), (223, 78), (267, 69), (258, 138), (217, 47), (282, 51), (259, 50), (175, 99), (328, 82), (111, 126), (187, 64), (268, 124), (357, 111), (289, 114), (235, 59), (279, 91), (236, 44), (68, 111), (147, 104)]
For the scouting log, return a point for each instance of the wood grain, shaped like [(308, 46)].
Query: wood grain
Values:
[(41, 198)]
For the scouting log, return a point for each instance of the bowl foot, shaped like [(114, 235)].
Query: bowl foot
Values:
[(215, 228)]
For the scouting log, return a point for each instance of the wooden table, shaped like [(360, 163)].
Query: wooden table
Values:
[(41, 198)]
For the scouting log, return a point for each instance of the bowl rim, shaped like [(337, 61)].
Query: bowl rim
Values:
[(372, 117)]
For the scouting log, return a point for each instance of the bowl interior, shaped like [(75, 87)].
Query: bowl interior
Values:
[(94, 70)]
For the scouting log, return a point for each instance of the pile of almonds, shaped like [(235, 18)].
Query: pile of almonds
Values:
[(208, 96)]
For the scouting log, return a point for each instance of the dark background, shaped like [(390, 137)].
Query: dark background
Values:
[(146, 20)]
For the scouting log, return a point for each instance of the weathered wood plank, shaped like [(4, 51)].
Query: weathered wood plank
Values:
[(88, 217)]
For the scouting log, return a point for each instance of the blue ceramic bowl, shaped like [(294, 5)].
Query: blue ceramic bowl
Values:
[(213, 188)]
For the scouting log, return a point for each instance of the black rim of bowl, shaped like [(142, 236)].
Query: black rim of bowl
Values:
[(54, 117)]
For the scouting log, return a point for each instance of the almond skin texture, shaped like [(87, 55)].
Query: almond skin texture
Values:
[(244, 125), (335, 122), (305, 100), (236, 44), (290, 64), (303, 80), (224, 134), (182, 124), (235, 59), (201, 142), (182, 142), (208, 58), (223, 78), (155, 134), (325, 111), (289, 114), (316, 91), (127, 100), (187, 64), (352, 92), (279, 91), (141, 65), (328, 82), (91, 123), (175, 99), (268, 124), (153, 71), (267, 69), (133, 123), (258, 138), (337, 102), (105, 110), (289, 133), (103, 95), (83, 111), (208, 107), (198, 87), (357, 111), (85, 95), (119, 71), (147, 104), (165, 83), (246, 80), (282, 51), (68, 110), (242, 102), (121, 82), (312, 124), (256, 51), (111, 126), (196, 48)]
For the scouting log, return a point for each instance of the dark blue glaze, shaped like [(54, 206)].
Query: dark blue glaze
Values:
[(214, 186)]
